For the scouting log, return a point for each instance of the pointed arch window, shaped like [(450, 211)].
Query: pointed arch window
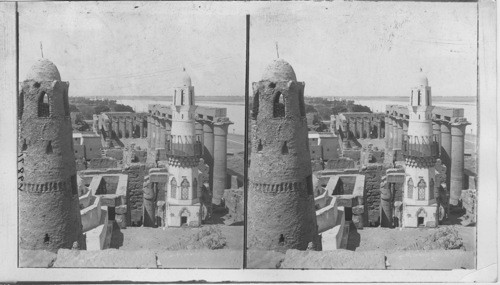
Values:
[(259, 146), (173, 188), (431, 189), (284, 148), (43, 105), (48, 149), (182, 97), (185, 189), (195, 188), (410, 189), (279, 106), (418, 97), (421, 189)]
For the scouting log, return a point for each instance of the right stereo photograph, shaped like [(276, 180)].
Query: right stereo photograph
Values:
[(362, 136)]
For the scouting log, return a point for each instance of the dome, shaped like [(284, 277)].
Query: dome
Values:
[(43, 70), (422, 79), (279, 70), (184, 79)]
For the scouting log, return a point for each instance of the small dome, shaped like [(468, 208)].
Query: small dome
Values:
[(422, 79), (184, 79), (43, 70), (279, 70)]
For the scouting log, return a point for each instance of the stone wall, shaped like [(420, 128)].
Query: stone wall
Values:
[(103, 163), (341, 163), (373, 176), (352, 154), (136, 173), (234, 201), (114, 153)]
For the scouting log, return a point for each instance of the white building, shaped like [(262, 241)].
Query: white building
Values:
[(184, 150), (421, 150), (88, 143)]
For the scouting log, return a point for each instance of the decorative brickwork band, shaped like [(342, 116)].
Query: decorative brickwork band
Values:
[(184, 161), (46, 187), (421, 162), (279, 188)]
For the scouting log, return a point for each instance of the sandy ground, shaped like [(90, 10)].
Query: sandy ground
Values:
[(157, 239), (391, 240)]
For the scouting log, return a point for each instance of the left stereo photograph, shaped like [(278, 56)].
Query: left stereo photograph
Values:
[(130, 135)]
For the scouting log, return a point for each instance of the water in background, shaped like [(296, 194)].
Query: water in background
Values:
[(235, 111), (470, 109)]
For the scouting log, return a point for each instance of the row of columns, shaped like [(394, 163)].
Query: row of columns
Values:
[(451, 139), (214, 139), (125, 127), (362, 128)]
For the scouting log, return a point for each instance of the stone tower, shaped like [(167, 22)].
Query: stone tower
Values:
[(421, 149), (184, 150), (281, 213), (49, 212)]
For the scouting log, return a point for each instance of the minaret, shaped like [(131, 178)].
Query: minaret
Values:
[(420, 148), (281, 213), (49, 212), (183, 153)]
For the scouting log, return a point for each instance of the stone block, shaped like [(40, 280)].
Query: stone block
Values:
[(335, 259), (431, 259), (120, 210), (264, 259), (36, 258), (221, 258), (358, 210), (105, 258), (358, 221)]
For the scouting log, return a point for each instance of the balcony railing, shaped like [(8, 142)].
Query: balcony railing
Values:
[(182, 149), (421, 146)]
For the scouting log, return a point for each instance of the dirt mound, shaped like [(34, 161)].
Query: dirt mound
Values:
[(207, 238), (444, 238)]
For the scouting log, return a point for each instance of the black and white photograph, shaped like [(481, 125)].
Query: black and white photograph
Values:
[(249, 142)]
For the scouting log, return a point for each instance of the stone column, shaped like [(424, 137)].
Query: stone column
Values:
[(122, 126), (150, 131), (351, 127), (158, 132), (379, 128), (148, 205), (399, 133), (436, 131), (115, 125), (220, 161), (198, 130), (162, 132), (405, 127), (141, 127), (446, 150), (208, 148), (457, 160), (367, 125), (130, 125), (388, 133), (360, 127), (394, 133), (168, 127)]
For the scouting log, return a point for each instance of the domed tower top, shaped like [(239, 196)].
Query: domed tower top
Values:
[(421, 93), (279, 70), (422, 79), (43, 70), (184, 79)]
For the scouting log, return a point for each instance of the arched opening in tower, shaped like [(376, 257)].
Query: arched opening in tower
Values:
[(43, 105), (66, 103), (182, 97), (278, 106), (259, 146), (255, 107), (25, 146), (48, 149), (284, 148), (302, 107)]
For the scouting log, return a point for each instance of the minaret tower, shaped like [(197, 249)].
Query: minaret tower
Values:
[(420, 148), (183, 152), (281, 213), (49, 212)]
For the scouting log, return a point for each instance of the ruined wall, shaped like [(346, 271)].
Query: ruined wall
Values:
[(234, 201), (102, 163), (352, 154), (341, 163), (114, 153), (136, 173)]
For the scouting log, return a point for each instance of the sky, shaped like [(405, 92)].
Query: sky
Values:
[(369, 48), (135, 48), (337, 48)]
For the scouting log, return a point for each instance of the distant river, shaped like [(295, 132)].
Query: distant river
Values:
[(470, 109), (235, 110)]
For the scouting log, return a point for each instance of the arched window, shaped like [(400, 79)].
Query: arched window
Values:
[(48, 149), (175, 97), (25, 145), (185, 189), (431, 189), (190, 98), (195, 188), (259, 146), (255, 107), (302, 107), (411, 98), (173, 188), (421, 189), (410, 189), (21, 105), (418, 97), (284, 148), (278, 106), (182, 97), (43, 105)]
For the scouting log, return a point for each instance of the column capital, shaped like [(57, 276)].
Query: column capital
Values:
[(458, 122)]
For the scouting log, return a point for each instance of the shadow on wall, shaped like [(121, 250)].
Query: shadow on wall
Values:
[(116, 237), (354, 238)]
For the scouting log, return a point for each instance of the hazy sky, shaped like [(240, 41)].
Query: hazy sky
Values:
[(370, 48), (135, 48), (337, 48)]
